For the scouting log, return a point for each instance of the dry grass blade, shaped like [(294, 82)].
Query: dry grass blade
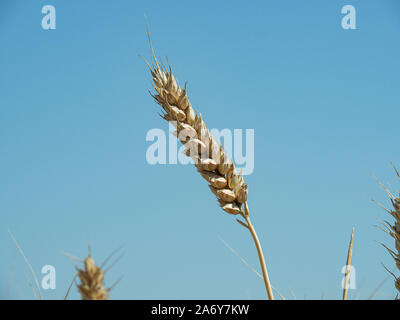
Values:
[(70, 286), (28, 264), (207, 154), (292, 293), (29, 282), (348, 265), (10, 277), (375, 291), (248, 265), (240, 258)]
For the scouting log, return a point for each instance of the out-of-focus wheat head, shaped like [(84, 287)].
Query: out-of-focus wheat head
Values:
[(393, 229), (208, 155), (91, 285)]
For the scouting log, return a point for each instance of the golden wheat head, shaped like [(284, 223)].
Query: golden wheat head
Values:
[(209, 157), (91, 285)]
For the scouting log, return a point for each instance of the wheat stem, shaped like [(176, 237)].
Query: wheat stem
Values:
[(260, 257)]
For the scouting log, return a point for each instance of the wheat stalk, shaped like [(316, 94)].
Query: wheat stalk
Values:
[(394, 230), (208, 156)]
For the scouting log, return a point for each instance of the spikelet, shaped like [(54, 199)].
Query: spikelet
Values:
[(208, 155), (214, 179), (91, 286), (241, 193), (230, 207)]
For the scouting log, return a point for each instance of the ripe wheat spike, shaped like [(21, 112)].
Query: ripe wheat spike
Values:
[(91, 285), (208, 156)]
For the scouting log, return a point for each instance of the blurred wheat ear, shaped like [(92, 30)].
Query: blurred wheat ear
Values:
[(92, 277), (91, 285), (393, 229), (209, 157)]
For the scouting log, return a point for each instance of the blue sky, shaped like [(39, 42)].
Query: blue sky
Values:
[(74, 113)]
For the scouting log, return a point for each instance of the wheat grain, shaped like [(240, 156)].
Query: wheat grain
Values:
[(208, 156)]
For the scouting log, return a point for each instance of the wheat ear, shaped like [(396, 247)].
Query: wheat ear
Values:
[(394, 230), (348, 265), (91, 285), (209, 157)]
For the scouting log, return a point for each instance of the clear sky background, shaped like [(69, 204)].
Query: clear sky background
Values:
[(74, 113)]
